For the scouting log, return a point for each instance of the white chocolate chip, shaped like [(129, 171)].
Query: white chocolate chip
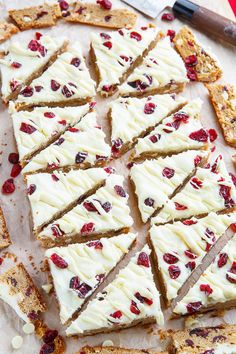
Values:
[(28, 328), (27, 19), (108, 343), (47, 288), (17, 342)]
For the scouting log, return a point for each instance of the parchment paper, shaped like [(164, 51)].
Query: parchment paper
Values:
[(17, 211)]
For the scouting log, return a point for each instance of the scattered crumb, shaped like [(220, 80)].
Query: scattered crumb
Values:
[(47, 288)]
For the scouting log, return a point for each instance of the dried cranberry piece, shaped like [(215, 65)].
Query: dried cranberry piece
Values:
[(105, 35), (155, 138), (116, 146), (136, 35), (49, 115), (100, 277), (80, 157), (8, 186), (47, 348), (210, 234), (31, 189), (219, 338), (233, 227), (109, 170), (27, 91), (33, 315), (34, 45), (107, 18), (179, 206), (15, 65), (54, 178), (149, 202), (233, 271), (63, 5), (189, 222), (67, 92), (13, 158), (107, 88), (90, 206), (38, 88), (41, 14), (76, 62), (50, 335), (190, 265), (55, 85), (149, 108), (96, 244), (223, 258), (138, 84), (87, 228), (197, 160), (107, 44), (62, 122), (143, 260), (191, 73), (58, 261), (107, 206), (42, 50), (105, 4), (167, 16), (38, 35), (189, 343), (143, 299), (59, 141), (116, 314), (170, 258), (171, 34), (199, 135), (174, 271), (80, 10), (168, 172), (190, 254), (206, 288), (74, 283), (73, 129), (199, 332), (191, 60), (196, 183), (225, 192), (16, 170), (14, 85), (134, 308), (120, 191), (83, 290), (27, 128), (56, 231), (212, 134), (193, 307)]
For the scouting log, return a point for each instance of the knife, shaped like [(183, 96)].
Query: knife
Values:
[(204, 19)]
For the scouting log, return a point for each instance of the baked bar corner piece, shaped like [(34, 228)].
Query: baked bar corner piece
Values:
[(180, 248), (18, 291), (210, 189), (223, 98), (201, 65), (95, 15), (216, 287), (116, 350), (219, 339), (103, 214), (35, 17), (78, 269), (66, 82), (162, 71), (116, 54), (25, 60), (132, 118), (157, 180), (80, 147), (179, 132), (129, 300), (7, 30), (5, 239)]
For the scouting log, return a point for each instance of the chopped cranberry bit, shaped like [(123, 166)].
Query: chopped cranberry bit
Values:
[(107, 88), (83, 290), (63, 5), (197, 160), (100, 277), (105, 4), (87, 228), (76, 62), (120, 32), (105, 35), (107, 18), (179, 206), (136, 35), (143, 260), (170, 258), (31, 189), (168, 172), (80, 157), (55, 85), (189, 222), (13, 158), (67, 92), (89, 206), (190, 254), (149, 202), (190, 265), (191, 74), (109, 170), (200, 135), (27, 128), (171, 34), (62, 122), (193, 307), (58, 261), (199, 332), (167, 16), (206, 288), (191, 60), (189, 343), (108, 44), (59, 141), (49, 115), (41, 14), (47, 348), (15, 65), (38, 35), (56, 231), (33, 315), (34, 45), (73, 130), (116, 146), (74, 283), (134, 308), (38, 88), (219, 338), (116, 314), (16, 170), (225, 192), (174, 271), (27, 91), (223, 258), (149, 108), (210, 234), (54, 178), (212, 134), (14, 85), (143, 299), (155, 138), (80, 10), (138, 84), (233, 227), (120, 191), (50, 335), (96, 244), (8, 186), (100, 157), (233, 177), (107, 206), (196, 183), (233, 271)]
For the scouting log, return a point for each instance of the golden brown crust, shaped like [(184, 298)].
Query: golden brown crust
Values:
[(110, 350), (206, 69), (7, 30), (93, 14), (5, 239), (234, 160), (36, 17), (223, 98)]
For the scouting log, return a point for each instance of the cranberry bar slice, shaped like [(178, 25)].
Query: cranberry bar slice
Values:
[(162, 71), (43, 125), (25, 60), (52, 194), (132, 118), (81, 146), (5, 239), (216, 287), (131, 299), (157, 180), (66, 82), (116, 350), (175, 134), (116, 54), (18, 291), (210, 189), (78, 269), (180, 247), (104, 213)]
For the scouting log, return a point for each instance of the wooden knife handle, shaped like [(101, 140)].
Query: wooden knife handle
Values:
[(206, 20)]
